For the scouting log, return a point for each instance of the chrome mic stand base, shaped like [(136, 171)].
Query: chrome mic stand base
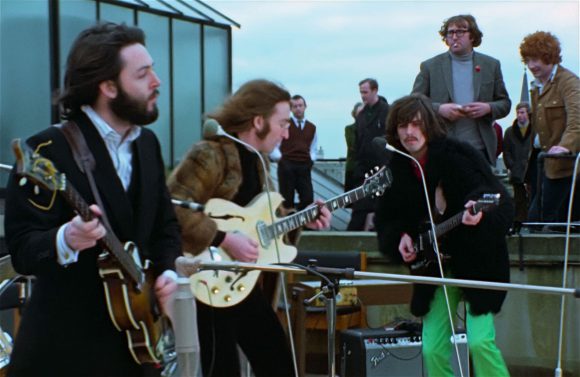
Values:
[(186, 340)]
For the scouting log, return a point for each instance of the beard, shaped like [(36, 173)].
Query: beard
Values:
[(133, 110)]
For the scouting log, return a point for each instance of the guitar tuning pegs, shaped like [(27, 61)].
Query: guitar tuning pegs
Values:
[(22, 181), (36, 190), (366, 175), (376, 169)]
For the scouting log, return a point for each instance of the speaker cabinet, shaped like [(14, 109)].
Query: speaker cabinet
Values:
[(384, 353)]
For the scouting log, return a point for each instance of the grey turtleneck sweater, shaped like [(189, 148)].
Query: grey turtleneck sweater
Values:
[(462, 71)]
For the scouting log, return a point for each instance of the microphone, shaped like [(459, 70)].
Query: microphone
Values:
[(211, 128), (382, 149), (391, 148), (189, 205)]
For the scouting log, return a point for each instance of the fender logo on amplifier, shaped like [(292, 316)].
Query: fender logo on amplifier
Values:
[(375, 360)]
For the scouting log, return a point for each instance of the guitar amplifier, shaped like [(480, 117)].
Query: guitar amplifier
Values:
[(383, 353)]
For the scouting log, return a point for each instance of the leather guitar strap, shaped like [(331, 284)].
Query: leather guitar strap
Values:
[(84, 160)]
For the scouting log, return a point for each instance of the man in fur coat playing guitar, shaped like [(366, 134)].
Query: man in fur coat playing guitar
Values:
[(456, 175), (257, 114)]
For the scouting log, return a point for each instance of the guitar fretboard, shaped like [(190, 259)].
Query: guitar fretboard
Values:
[(310, 214), (110, 242), (455, 220)]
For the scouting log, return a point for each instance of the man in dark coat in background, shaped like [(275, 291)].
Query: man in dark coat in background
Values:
[(517, 143), (370, 123)]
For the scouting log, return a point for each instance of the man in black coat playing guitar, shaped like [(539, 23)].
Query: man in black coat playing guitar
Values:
[(110, 91), (456, 176)]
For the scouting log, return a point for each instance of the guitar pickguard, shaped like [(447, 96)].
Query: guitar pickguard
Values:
[(226, 288)]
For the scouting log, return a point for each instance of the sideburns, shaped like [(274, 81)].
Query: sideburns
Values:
[(265, 130)]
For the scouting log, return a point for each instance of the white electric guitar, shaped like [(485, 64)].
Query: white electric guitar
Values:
[(225, 288)]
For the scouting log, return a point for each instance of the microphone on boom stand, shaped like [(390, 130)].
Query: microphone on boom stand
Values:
[(187, 204), (381, 142)]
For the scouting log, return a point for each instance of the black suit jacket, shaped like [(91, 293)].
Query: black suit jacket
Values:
[(66, 329)]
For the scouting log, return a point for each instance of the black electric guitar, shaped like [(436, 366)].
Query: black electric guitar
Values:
[(224, 288), (426, 262), (128, 286)]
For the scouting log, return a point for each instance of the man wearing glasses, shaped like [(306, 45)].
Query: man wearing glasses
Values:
[(466, 87)]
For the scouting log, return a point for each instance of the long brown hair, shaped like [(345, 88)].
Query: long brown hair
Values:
[(403, 110), (254, 98)]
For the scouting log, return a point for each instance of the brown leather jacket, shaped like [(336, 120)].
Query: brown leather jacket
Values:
[(556, 118)]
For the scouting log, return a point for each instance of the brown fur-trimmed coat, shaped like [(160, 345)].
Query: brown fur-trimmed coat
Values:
[(211, 169)]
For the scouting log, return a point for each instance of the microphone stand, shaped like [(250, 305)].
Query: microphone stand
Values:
[(558, 370), (222, 132), (435, 245), (186, 339), (188, 266), (329, 288), (294, 268)]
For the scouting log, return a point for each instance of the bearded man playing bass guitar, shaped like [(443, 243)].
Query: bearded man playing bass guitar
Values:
[(71, 326), (456, 175), (258, 114)]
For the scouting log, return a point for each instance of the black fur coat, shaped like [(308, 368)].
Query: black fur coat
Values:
[(477, 252)]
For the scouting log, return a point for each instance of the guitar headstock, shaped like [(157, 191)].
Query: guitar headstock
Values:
[(377, 181), (31, 165), (487, 201)]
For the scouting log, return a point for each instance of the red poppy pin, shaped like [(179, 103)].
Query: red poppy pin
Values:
[(477, 68)]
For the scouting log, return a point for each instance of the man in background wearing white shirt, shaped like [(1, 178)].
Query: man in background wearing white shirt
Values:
[(297, 155)]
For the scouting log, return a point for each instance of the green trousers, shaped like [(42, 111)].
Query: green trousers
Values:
[(438, 349)]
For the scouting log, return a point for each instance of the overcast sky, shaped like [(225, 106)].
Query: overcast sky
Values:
[(322, 49)]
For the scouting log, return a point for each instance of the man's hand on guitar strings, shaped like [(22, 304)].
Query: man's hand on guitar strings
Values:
[(406, 248), (322, 221), (81, 235), (240, 247), (468, 217)]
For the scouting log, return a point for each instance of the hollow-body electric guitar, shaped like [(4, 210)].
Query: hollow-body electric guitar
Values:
[(128, 286), (426, 262), (224, 288)]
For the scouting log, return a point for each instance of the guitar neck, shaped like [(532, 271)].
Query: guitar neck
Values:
[(110, 242), (454, 221), (310, 214)]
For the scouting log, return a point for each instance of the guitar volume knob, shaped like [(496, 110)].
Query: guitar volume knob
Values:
[(215, 290)]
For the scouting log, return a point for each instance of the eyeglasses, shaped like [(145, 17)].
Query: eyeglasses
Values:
[(459, 33)]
